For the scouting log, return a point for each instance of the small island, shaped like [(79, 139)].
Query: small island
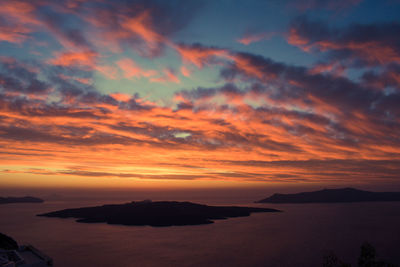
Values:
[(8, 200), (332, 196), (160, 213)]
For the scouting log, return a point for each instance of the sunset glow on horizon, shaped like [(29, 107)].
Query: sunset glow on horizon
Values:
[(163, 94)]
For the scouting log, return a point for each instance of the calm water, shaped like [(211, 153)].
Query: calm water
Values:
[(299, 236)]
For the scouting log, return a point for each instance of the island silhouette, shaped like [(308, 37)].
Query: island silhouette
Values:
[(160, 213), (332, 196), (27, 199)]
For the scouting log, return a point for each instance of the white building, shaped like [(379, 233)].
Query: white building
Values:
[(25, 256)]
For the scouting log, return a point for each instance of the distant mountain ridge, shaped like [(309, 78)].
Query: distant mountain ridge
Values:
[(332, 196), (7, 200)]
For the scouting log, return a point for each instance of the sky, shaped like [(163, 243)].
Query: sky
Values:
[(223, 93)]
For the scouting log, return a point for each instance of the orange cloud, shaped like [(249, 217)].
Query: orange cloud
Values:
[(239, 144), (141, 26), (86, 59), (374, 44), (121, 97), (19, 20), (371, 51), (131, 69), (20, 12), (199, 55), (136, 30), (14, 34), (246, 65), (287, 124)]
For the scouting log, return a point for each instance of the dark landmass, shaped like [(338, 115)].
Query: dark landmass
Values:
[(163, 213), (332, 196), (7, 200), (7, 242)]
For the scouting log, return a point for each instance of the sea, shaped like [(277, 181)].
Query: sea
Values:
[(300, 235)]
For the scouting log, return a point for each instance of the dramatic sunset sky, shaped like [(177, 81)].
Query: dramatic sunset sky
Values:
[(199, 93)]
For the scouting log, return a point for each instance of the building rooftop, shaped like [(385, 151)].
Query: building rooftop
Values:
[(25, 256)]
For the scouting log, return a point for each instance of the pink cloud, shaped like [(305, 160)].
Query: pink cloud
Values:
[(249, 38), (169, 76), (185, 71), (108, 71), (79, 79), (334, 68)]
